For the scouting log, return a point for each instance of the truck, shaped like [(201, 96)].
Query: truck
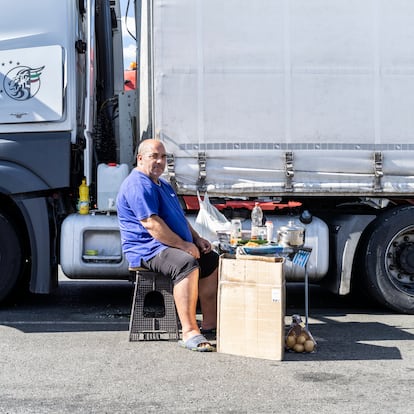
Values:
[(303, 105)]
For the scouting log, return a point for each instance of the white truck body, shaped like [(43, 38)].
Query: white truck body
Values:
[(304, 105)]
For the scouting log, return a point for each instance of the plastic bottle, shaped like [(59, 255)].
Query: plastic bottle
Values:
[(257, 220), (257, 215), (83, 198)]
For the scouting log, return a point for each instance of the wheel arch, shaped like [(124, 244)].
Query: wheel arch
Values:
[(23, 198)]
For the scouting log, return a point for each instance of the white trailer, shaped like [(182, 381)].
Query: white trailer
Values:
[(306, 100)]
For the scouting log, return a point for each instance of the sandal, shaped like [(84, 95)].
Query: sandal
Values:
[(195, 344)]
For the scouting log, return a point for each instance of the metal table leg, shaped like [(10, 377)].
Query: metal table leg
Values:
[(306, 297)]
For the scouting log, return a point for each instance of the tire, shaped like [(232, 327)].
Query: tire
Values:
[(389, 260), (11, 258)]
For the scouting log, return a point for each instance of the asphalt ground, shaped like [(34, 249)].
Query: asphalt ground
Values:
[(69, 352)]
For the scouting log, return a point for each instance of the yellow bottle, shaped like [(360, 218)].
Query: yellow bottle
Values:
[(83, 198)]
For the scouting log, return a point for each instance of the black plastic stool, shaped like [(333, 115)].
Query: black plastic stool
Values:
[(153, 314)]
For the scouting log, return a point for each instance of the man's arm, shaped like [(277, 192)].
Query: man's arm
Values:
[(158, 229)]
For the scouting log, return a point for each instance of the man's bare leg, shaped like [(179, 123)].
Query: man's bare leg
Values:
[(185, 297), (207, 291)]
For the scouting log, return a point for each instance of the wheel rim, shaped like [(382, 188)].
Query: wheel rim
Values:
[(399, 260)]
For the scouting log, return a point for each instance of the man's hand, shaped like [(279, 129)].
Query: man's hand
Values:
[(203, 244)]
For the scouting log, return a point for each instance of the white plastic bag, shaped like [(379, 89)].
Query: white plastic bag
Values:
[(209, 220)]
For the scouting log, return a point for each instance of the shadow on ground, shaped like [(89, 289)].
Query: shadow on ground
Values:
[(81, 306)]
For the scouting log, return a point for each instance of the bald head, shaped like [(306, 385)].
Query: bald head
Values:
[(148, 146), (151, 158)]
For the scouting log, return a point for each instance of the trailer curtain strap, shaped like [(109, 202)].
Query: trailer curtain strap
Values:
[(202, 173), (378, 173), (171, 171), (289, 171)]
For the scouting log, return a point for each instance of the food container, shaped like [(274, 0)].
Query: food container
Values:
[(246, 234), (236, 231), (223, 236), (291, 235)]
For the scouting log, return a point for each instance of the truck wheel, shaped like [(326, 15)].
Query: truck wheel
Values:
[(10, 257), (389, 260)]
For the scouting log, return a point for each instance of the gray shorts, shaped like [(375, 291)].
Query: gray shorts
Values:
[(178, 264)]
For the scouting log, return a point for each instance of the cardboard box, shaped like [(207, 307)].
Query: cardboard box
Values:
[(251, 307)]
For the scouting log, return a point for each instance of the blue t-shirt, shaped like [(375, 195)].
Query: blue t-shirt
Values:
[(139, 198)]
